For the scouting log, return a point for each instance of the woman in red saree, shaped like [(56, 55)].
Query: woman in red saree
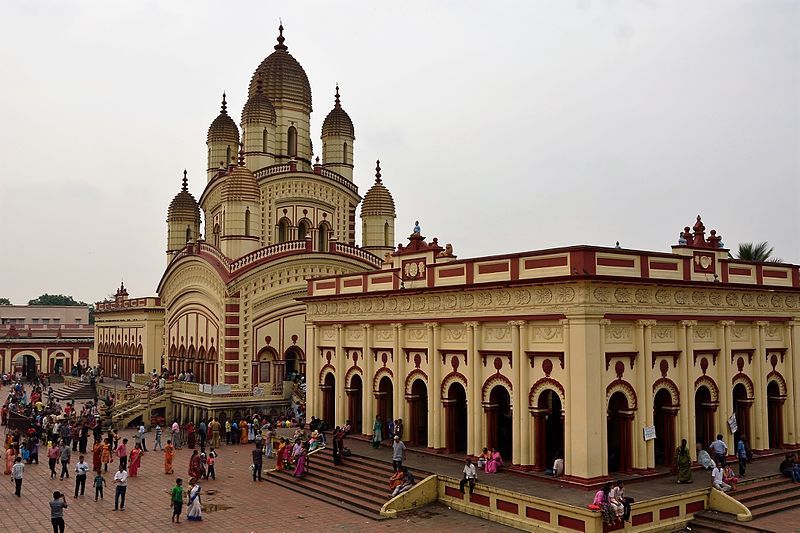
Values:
[(97, 456), (191, 436), (136, 460), (194, 465), (169, 456), (279, 454), (11, 453)]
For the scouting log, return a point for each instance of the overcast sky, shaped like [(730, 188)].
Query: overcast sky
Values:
[(500, 126)]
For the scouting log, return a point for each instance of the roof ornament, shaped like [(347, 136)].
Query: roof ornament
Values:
[(224, 109), (378, 171), (241, 154), (185, 187), (338, 103), (281, 38)]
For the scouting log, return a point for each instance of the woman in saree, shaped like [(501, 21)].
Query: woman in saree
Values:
[(169, 456), (684, 462), (279, 454), (243, 426), (251, 432), (105, 455), (11, 453), (302, 462), (376, 432), (194, 465), (97, 457), (135, 460), (494, 463), (191, 436), (195, 507), (288, 454)]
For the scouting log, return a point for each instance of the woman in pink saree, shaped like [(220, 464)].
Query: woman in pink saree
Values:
[(302, 462), (136, 461), (494, 463)]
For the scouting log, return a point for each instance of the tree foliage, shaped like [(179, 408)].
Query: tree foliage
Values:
[(5, 301), (759, 252), (55, 299)]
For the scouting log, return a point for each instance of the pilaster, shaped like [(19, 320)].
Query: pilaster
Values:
[(761, 441), (687, 403), (724, 384), (646, 356), (475, 432), (435, 410), (367, 397), (312, 377), (519, 412), (793, 387), (340, 413), (399, 400), (567, 407)]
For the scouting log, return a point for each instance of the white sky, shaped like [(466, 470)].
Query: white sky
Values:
[(501, 126)]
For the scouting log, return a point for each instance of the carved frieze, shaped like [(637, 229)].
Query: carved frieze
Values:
[(663, 334), (451, 334), (547, 333), (496, 334), (618, 334)]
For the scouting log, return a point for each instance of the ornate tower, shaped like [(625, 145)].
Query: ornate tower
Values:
[(378, 218), (338, 136), (183, 220), (222, 141), (258, 127), (240, 231)]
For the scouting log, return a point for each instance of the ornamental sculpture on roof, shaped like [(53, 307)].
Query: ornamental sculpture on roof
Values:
[(698, 238)]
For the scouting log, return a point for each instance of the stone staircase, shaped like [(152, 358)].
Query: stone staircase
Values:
[(714, 522), (127, 411), (360, 484), (76, 391)]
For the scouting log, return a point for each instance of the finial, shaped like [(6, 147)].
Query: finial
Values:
[(241, 154), (317, 160), (224, 105), (185, 187), (281, 38), (338, 103), (378, 171)]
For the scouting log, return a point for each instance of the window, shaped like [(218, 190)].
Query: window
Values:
[(56, 321), (45, 321), (228, 155), (283, 230), (264, 141), (302, 230), (77, 320), (322, 237), (35, 320), (386, 235), (216, 235), (188, 234), (263, 371), (292, 141), (344, 153), (247, 222)]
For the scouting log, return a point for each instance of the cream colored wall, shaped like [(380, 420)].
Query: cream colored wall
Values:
[(334, 157), (373, 234), (255, 156)]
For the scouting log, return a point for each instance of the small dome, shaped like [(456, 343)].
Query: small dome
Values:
[(240, 183), (378, 200), (338, 121), (184, 206), (223, 129), (258, 109), (285, 81)]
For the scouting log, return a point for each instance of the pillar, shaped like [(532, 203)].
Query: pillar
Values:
[(524, 386), (340, 413), (639, 445), (434, 388), (399, 400), (724, 384), (647, 360), (367, 398), (312, 373), (687, 425), (793, 386), (538, 416), (604, 426), (567, 397), (761, 441), (475, 409)]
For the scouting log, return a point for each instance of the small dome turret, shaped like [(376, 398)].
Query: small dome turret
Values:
[(240, 184), (338, 121), (183, 220), (223, 129), (378, 218), (183, 206), (378, 201), (258, 109)]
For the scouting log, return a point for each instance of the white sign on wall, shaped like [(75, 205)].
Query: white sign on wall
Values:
[(649, 433)]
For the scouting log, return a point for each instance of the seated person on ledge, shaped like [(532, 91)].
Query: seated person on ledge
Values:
[(558, 467), (705, 460)]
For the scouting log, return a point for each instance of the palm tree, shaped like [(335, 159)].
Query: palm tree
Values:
[(759, 253)]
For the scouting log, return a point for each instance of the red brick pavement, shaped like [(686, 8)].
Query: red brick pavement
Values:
[(241, 505)]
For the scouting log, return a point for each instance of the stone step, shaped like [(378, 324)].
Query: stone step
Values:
[(369, 469), (760, 499), (775, 508), (759, 485), (711, 523)]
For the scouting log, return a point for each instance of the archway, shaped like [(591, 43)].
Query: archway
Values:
[(264, 366), (499, 421), (704, 416), (619, 434), (26, 365), (455, 412), (384, 395), (775, 414), (291, 364), (354, 407), (418, 413), (664, 419), (741, 406), (548, 429), (329, 399)]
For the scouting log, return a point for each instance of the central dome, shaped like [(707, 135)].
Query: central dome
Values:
[(283, 78)]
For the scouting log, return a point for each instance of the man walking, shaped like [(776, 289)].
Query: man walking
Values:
[(141, 437), (398, 453), (16, 475), (81, 468), (258, 458), (121, 482), (122, 453), (57, 507), (65, 457), (158, 445)]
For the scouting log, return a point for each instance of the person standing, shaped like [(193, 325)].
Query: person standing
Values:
[(52, 458), (158, 444), (99, 483), (201, 433), (176, 431), (65, 457), (121, 482), (211, 461), (169, 456), (683, 460), (16, 475), (720, 450), (376, 432), (398, 453), (470, 475), (57, 506), (142, 431), (176, 498), (136, 461), (81, 468), (215, 428), (741, 454), (258, 458), (122, 453)]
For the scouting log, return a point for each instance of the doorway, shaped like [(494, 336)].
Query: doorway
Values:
[(499, 421), (704, 416), (418, 411), (354, 407), (664, 420), (741, 406), (385, 406), (619, 434), (329, 399), (775, 415), (551, 425), (455, 406)]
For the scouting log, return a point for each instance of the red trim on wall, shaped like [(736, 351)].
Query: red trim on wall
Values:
[(611, 262), (231, 332), (695, 507), (642, 518), (759, 274), (724, 267), (382, 279), (322, 285), (537, 514), (480, 499), (738, 271), (795, 277), (644, 267), (508, 507), (663, 265), (583, 262), (514, 269), (782, 274), (530, 264), (669, 512), (231, 308), (231, 343), (451, 272), (232, 319), (231, 380), (470, 267), (571, 523), (231, 368), (353, 283), (493, 268), (453, 492), (687, 268)]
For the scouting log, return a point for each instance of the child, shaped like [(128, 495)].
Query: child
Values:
[(99, 483), (176, 498), (212, 458)]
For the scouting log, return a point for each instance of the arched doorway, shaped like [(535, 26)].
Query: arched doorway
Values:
[(775, 414), (291, 363), (741, 406), (329, 399), (548, 429), (619, 434), (499, 421), (25, 365), (384, 395), (354, 407), (418, 413), (664, 414), (455, 419), (264, 367), (704, 416)]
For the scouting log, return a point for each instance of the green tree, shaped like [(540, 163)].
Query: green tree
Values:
[(5, 301), (55, 299), (759, 252)]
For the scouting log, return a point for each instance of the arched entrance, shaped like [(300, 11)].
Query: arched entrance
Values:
[(548, 429), (620, 419), (704, 411), (264, 366), (25, 365), (384, 395), (291, 363), (664, 414), (455, 418), (354, 412), (329, 399), (499, 421), (741, 406), (775, 414), (418, 413)]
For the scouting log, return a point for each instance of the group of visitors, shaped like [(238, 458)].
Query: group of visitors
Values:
[(393, 428), (722, 475), (612, 503), (790, 466), (490, 460)]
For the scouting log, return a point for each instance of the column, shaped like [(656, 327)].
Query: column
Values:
[(568, 396), (688, 426), (524, 390), (475, 409), (761, 441), (434, 388), (367, 398), (539, 461), (312, 374), (793, 385), (647, 360), (517, 421), (341, 369), (638, 444), (399, 400), (725, 390), (604, 428)]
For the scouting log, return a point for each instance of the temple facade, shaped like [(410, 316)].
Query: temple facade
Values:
[(606, 355)]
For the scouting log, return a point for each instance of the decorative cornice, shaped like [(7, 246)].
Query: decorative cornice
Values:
[(727, 323)]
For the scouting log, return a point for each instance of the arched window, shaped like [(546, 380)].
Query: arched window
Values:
[(283, 230), (344, 153), (188, 233), (228, 155), (216, 235), (302, 230), (386, 235), (292, 140), (247, 222), (264, 141), (322, 237)]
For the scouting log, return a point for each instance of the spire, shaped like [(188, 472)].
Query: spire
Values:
[(241, 154), (338, 103), (185, 187), (378, 171), (224, 109), (281, 38)]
